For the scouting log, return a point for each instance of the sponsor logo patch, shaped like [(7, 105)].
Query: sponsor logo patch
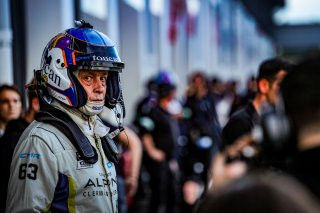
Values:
[(97, 107), (82, 164), (29, 155)]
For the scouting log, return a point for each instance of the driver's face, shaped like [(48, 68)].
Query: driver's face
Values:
[(94, 83)]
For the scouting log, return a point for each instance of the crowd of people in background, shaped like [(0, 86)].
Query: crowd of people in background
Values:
[(216, 149)]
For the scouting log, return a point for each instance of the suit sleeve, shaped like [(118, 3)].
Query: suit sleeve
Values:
[(33, 177)]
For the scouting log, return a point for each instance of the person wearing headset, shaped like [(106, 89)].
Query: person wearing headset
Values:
[(65, 160)]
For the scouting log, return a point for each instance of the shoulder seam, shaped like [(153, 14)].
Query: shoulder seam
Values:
[(51, 133)]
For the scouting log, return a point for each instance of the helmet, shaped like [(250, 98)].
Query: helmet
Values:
[(166, 82), (75, 49)]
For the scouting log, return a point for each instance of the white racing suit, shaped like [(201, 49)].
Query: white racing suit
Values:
[(48, 174)]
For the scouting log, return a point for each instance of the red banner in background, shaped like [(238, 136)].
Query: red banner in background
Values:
[(177, 10)]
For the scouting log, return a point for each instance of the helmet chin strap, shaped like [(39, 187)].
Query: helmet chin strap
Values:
[(92, 108)]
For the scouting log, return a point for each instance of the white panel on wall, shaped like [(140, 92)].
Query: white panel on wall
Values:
[(6, 69)]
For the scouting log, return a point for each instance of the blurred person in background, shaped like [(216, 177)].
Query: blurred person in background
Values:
[(15, 127), (159, 137), (10, 105), (301, 103), (145, 104), (250, 91), (10, 138), (234, 94), (262, 192), (222, 99), (234, 187), (200, 130), (270, 74), (217, 89), (143, 108)]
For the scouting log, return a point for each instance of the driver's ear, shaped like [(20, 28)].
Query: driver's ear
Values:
[(263, 85)]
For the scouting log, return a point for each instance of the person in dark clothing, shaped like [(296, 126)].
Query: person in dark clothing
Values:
[(159, 140), (201, 129), (141, 121), (9, 140), (251, 90), (235, 95), (240, 123), (301, 98), (217, 89), (271, 73), (144, 105)]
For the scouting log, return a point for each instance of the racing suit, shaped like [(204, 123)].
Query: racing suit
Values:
[(48, 174)]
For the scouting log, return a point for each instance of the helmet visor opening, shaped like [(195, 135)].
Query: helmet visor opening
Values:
[(101, 65)]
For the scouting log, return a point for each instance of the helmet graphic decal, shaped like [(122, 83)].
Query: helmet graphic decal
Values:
[(59, 84), (62, 42)]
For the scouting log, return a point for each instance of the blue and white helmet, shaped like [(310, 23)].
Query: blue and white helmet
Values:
[(75, 49)]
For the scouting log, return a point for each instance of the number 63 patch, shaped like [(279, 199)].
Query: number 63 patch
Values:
[(28, 171)]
